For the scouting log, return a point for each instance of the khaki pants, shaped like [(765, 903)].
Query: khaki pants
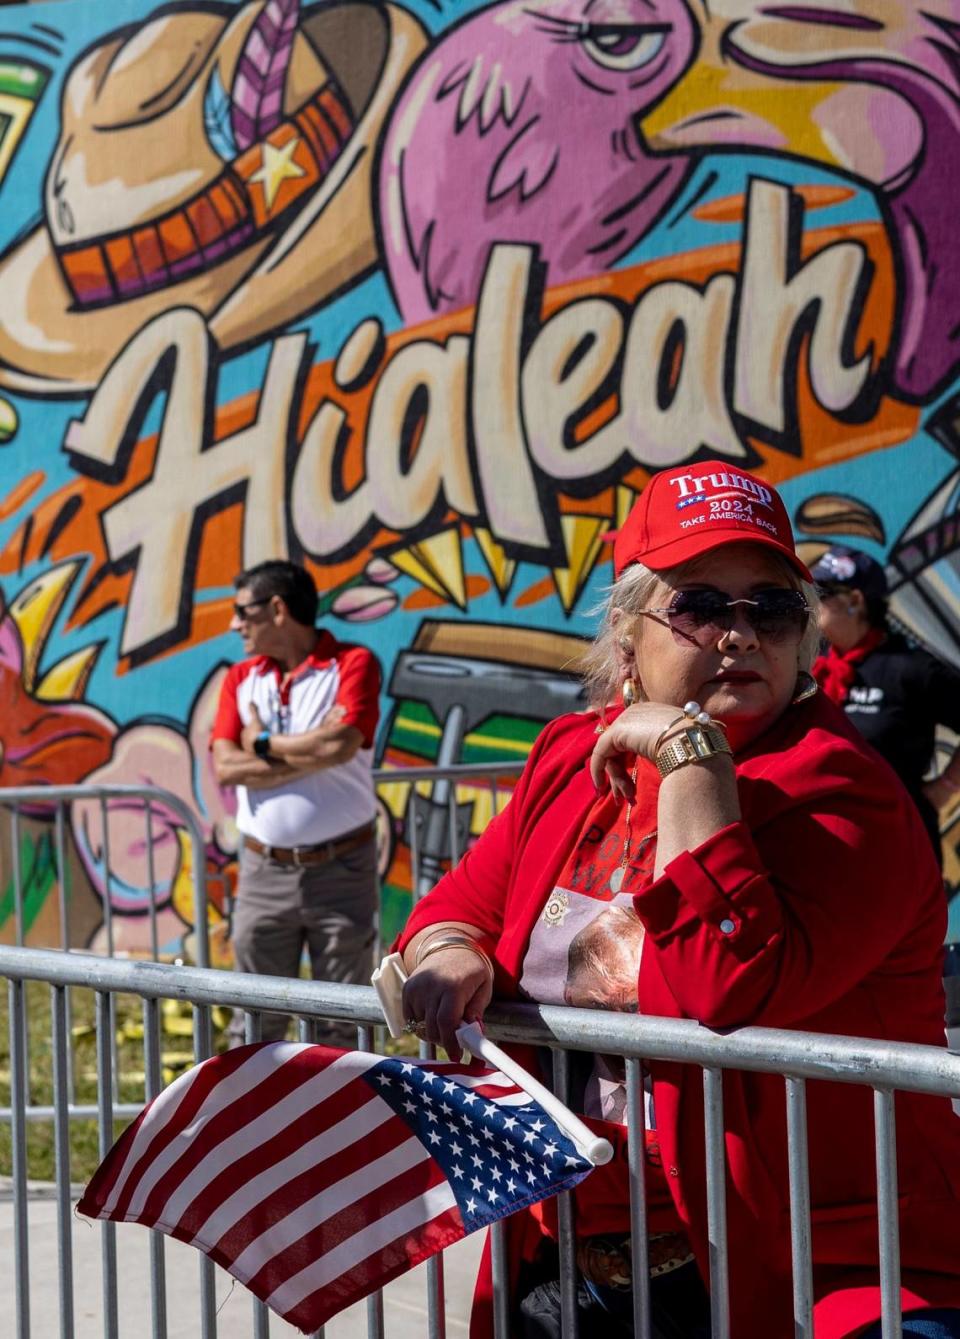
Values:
[(331, 909)]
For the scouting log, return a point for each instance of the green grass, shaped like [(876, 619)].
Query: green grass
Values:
[(84, 1155)]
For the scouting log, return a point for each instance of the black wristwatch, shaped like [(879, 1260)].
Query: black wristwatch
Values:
[(261, 745)]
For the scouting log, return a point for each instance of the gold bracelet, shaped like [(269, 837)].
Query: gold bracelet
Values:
[(695, 744), (437, 943), (440, 931)]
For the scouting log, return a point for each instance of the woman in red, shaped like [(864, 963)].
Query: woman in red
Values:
[(725, 848)]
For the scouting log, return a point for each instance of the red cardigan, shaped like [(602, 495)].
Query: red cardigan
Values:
[(839, 919)]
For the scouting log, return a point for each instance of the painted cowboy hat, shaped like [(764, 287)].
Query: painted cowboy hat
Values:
[(214, 159)]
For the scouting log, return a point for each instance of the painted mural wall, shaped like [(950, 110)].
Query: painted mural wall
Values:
[(421, 294)]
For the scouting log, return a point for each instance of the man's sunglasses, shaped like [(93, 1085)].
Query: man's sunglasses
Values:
[(243, 610), (775, 614)]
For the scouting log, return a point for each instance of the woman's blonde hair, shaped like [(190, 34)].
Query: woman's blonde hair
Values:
[(637, 589)]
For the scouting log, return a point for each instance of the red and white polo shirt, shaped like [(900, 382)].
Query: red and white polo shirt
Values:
[(322, 805)]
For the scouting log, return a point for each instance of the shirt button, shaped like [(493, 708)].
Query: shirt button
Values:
[(727, 926)]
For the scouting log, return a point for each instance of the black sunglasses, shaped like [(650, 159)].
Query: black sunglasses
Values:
[(242, 610), (775, 614)]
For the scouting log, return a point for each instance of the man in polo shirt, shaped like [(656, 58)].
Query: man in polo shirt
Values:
[(294, 734)]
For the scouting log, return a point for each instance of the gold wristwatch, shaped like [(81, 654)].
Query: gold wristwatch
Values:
[(692, 744)]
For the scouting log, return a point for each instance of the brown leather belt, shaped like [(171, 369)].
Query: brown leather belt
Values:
[(313, 855)]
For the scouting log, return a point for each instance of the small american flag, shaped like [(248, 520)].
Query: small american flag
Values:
[(315, 1176)]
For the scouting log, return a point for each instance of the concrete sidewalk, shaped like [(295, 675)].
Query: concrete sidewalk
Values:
[(405, 1300)]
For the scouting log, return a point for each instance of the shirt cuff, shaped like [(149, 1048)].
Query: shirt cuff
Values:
[(722, 884)]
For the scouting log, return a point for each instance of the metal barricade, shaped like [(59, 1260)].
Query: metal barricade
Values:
[(33, 799), (437, 816), (796, 1057)]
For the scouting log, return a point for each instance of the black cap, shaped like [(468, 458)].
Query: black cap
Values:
[(843, 566)]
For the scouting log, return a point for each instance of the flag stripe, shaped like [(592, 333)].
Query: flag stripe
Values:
[(180, 1160), (377, 1270), (321, 1101), (374, 1135), (337, 1215), (299, 1150), (349, 1253), (162, 1121)]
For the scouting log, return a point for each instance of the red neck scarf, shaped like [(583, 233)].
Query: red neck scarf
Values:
[(836, 671)]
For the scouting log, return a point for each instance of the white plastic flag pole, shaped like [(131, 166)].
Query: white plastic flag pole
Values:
[(388, 981), (593, 1147)]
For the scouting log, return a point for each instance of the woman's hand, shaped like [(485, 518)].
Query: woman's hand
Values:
[(636, 731), (452, 987)]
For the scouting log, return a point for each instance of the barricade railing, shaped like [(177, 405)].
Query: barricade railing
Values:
[(883, 1067), (436, 804), (25, 801), (437, 826)]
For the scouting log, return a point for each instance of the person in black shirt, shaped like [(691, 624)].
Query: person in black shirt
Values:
[(895, 693)]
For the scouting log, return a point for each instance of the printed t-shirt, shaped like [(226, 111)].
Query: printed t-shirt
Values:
[(585, 950)]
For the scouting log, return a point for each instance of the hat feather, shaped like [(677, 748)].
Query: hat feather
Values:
[(217, 121), (261, 74)]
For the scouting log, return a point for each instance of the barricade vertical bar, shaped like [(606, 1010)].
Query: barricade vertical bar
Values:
[(888, 1213), (61, 856), (436, 1302), (374, 1307), (17, 874), (105, 1079), (454, 835), (208, 1287), (108, 922), (18, 1139), (107, 877), (20, 932), (151, 879), (307, 1030), (799, 1208), (61, 1137), (414, 845), (436, 1319), (154, 1083), (636, 1156), (253, 1032), (63, 889), (201, 928), (501, 1280), (569, 1327), (716, 1203)]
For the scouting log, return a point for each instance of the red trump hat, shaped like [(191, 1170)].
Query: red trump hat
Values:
[(692, 509)]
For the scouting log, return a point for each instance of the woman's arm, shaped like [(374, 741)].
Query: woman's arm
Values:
[(695, 801)]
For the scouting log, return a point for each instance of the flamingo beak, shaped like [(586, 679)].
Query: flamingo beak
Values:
[(716, 103)]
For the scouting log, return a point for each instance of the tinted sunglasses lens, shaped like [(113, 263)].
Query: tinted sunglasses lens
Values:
[(693, 610), (778, 613)]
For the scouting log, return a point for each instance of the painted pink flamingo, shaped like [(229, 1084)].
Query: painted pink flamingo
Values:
[(521, 126)]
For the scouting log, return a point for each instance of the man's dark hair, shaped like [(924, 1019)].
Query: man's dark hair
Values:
[(290, 581)]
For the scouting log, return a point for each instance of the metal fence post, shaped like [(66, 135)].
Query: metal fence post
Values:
[(18, 1133)]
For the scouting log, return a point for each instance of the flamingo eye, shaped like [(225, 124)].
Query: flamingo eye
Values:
[(623, 46)]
